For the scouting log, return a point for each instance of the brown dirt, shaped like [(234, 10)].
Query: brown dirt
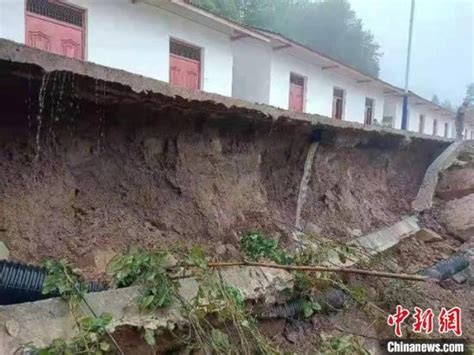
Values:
[(114, 172)]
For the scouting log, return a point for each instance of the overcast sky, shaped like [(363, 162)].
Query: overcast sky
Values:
[(442, 61)]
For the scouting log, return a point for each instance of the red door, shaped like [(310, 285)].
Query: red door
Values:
[(54, 36), (184, 72), (296, 97)]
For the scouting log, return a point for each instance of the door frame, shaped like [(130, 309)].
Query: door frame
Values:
[(66, 3), (201, 58), (305, 85)]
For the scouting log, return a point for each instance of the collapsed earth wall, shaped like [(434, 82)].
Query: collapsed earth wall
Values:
[(89, 160)]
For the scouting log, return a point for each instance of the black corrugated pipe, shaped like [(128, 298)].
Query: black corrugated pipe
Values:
[(24, 283), (445, 269)]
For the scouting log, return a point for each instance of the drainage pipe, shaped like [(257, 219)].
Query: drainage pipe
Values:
[(24, 283)]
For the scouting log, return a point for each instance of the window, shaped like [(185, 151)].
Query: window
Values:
[(446, 130), (297, 92), (421, 125), (435, 127), (369, 111), (338, 104), (185, 65), (465, 134), (55, 27)]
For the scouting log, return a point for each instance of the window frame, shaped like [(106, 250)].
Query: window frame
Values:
[(334, 103), (192, 45), (84, 28)]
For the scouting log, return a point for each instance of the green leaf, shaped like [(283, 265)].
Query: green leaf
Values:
[(104, 346), (307, 309), (316, 306), (150, 337), (220, 339)]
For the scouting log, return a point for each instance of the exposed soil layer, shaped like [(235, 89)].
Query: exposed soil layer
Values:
[(88, 165)]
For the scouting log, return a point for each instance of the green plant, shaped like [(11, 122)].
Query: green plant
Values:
[(148, 270), (342, 345), (218, 306), (255, 246), (91, 339), (61, 280), (91, 336), (310, 307)]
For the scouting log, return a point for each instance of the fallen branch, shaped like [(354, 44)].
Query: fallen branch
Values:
[(322, 269)]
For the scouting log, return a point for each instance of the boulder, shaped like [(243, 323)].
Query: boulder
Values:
[(428, 236), (455, 183), (458, 217), (312, 229)]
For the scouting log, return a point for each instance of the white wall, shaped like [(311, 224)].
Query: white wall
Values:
[(393, 107), (319, 89), (135, 37), (251, 72), (430, 115)]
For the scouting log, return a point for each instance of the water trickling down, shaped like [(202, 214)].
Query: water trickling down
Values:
[(39, 117), (304, 183)]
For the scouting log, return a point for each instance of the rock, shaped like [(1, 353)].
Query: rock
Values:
[(312, 229), (4, 252), (221, 250), (428, 236), (355, 232), (455, 183), (96, 262), (226, 249), (458, 217), (461, 277), (12, 327), (291, 336)]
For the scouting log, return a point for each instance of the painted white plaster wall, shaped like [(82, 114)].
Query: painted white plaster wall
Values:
[(135, 37), (319, 89), (12, 20), (393, 107), (251, 72), (414, 120)]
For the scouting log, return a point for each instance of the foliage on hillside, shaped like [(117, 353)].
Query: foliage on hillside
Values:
[(329, 26)]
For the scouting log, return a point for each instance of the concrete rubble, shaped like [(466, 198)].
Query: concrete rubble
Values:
[(458, 217), (41, 322)]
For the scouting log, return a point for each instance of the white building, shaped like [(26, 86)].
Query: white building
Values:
[(176, 42)]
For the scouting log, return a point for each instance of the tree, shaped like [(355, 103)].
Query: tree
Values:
[(447, 104), (328, 26), (469, 98), (435, 99)]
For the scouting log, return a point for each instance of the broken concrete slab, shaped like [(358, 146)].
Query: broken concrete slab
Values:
[(428, 236), (25, 323), (424, 198), (369, 245), (4, 252), (386, 238), (458, 217)]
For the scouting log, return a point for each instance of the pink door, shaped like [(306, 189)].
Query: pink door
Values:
[(185, 72), (54, 36), (296, 97)]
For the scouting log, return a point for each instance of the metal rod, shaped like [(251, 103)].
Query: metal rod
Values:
[(407, 71)]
